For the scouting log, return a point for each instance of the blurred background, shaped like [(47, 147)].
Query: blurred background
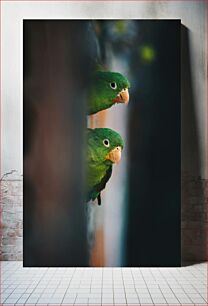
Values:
[(138, 223)]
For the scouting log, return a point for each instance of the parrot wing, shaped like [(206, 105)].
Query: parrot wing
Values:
[(95, 191), (99, 187)]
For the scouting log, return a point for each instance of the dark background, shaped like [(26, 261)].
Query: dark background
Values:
[(154, 210)]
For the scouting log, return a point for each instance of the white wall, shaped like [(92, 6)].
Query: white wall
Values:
[(191, 13)]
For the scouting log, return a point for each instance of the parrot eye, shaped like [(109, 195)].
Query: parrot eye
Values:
[(113, 85), (106, 143)]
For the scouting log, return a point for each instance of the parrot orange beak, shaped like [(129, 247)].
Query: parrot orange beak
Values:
[(114, 155), (122, 97)]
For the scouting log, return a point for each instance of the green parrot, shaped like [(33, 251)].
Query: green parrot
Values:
[(104, 147), (108, 88)]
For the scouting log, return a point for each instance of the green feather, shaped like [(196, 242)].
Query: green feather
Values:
[(101, 93), (98, 168)]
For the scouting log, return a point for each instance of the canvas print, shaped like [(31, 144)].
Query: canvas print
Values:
[(102, 173)]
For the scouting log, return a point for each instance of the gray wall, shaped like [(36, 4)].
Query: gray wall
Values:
[(194, 108)]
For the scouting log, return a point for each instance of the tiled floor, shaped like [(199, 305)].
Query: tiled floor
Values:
[(103, 286)]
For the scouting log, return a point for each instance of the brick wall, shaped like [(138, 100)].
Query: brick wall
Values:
[(194, 213), (11, 222), (193, 228)]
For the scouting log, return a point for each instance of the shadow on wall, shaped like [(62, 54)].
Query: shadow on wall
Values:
[(194, 226)]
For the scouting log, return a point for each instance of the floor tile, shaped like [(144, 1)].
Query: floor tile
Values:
[(112, 286)]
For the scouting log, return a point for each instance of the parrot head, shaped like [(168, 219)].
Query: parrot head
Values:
[(107, 145), (108, 89)]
